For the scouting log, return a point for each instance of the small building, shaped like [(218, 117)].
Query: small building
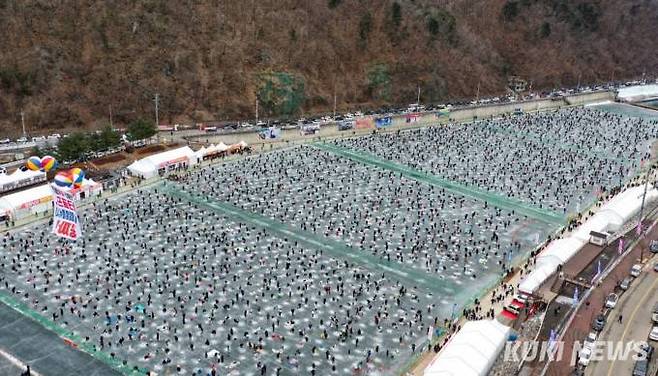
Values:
[(516, 84), (599, 238), (161, 163)]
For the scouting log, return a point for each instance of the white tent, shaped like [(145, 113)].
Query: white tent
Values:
[(556, 253), (472, 351), (30, 201), (20, 178), (153, 164), (636, 93), (560, 251), (88, 188), (222, 147), (627, 204), (612, 216), (201, 152)]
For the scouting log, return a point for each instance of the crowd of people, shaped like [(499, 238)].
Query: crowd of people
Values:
[(464, 242), (555, 160), (166, 284), (170, 287)]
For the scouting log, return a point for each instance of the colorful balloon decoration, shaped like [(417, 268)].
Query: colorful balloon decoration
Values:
[(64, 179), (78, 176), (34, 163), (48, 163)]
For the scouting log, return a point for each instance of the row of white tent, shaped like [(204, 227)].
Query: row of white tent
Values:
[(475, 348), (212, 149), (609, 219), (20, 178), (151, 166)]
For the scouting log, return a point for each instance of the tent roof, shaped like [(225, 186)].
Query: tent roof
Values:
[(15, 200), (638, 92), (19, 175), (534, 280), (141, 166), (472, 351), (169, 155), (611, 217)]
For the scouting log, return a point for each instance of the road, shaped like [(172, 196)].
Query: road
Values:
[(635, 306)]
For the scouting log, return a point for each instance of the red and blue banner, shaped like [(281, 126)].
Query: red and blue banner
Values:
[(66, 223), (383, 122)]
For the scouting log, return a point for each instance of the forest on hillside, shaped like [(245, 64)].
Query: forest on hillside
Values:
[(68, 64)]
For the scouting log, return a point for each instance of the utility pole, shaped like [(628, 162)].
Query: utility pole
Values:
[(477, 94), (156, 100), (334, 105), (579, 74), (23, 123), (111, 124), (418, 97), (256, 110), (639, 224)]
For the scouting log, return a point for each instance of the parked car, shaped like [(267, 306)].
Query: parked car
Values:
[(646, 351), (586, 352), (22, 139), (625, 283), (5, 141), (590, 340), (598, 323), (636, 269), (522, 298), (641, 368), (654, 334), (612, 300), (653, 246), (584, 356)]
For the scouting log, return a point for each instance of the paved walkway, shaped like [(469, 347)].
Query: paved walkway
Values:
[(502, 202)]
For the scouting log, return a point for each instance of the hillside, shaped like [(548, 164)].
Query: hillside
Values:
[(67, 63)]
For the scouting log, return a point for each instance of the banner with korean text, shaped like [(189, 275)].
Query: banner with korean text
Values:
[(66, 223)]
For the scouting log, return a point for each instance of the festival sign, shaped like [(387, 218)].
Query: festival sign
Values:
[(412, 118), (383, 122), (364, 123), (170, 162), (66, 223)]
